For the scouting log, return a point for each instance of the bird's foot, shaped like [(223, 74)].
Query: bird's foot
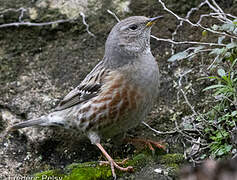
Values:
[(148, 143), (114, 164), (107, 162)]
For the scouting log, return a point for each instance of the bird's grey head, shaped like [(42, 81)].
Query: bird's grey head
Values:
[(129, 38)]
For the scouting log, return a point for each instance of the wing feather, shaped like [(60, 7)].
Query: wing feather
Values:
[(87, 89)]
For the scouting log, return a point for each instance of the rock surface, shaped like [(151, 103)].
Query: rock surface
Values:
[(39, 65)]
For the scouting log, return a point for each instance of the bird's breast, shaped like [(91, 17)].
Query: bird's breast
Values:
[(119, 101)]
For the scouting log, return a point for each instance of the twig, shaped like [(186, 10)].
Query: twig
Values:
[(195, 24), (187, 42), (188, 103), (182, 91), (113, 14), (22, 14), (158, 132), (11, 9), (34, 24), (216, 15), (181, 132), (218, 10), (84, 22), (22, 23), (181, 23), (200, 51), (216, 58)]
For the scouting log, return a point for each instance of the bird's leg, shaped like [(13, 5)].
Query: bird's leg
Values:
[(112, 163)]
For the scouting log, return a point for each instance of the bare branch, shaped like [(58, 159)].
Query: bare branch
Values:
[(216, 58), (34, 24), (195, 24), (84, 22), (158, 132), (182, 91), (181, 23), (187, 42), (113, 14), (218, 10), (171, 12), (23, 23), (14, 10), (22, 14)]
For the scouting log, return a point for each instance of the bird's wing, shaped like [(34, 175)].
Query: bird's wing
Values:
[(87, 89)]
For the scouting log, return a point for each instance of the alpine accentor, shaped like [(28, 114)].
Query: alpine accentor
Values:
[(117, 94)]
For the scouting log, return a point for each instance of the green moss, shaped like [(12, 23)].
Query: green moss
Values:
[(88, 171), (49, 173), (92, 170), (172, 161), (139, 159), (172, 158)]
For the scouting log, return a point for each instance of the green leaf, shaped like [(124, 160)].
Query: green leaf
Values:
[(203, 156), (228, 55), (231, 45), (228, 148), (234, 113), (209, 77), (235, 31), (196, 49), (228, 27), (220, 152), (222, 134), (221, 72), (215, 27), (213, 87), (214, 138), (218, 51), (204, 33), (234, 81), (188, 126), (178, 56), (233, 64), (220, 39)]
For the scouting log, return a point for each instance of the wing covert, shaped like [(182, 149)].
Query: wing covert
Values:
[(87, 89)]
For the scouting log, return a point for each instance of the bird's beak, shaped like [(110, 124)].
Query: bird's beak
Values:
[(152, 21)]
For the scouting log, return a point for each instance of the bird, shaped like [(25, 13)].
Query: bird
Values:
[(116, 95)]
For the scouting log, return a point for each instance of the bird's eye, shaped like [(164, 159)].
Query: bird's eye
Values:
[(133, 27)]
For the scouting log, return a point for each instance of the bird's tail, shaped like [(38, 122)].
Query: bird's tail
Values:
[(33, 122), (48, 120)]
